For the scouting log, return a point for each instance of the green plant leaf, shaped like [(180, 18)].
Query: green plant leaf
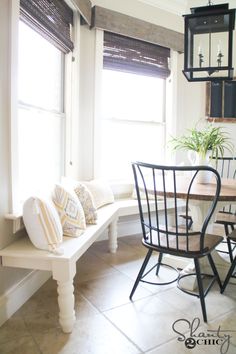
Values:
[(209, 138)]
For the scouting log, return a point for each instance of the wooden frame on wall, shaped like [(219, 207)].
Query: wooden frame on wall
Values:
[(221, 101)]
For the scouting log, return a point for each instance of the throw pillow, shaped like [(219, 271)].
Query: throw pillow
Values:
[(70, 211), (43, 224), (101, 192), (86, 200)]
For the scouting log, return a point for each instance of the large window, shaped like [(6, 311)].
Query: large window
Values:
[(40, 113), (133, 122), (133, 115), (133, 104)]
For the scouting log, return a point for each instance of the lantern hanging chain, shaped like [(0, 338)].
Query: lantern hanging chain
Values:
[(210, 3)]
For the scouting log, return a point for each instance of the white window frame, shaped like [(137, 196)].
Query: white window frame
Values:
[(70, 105), (170, 111)]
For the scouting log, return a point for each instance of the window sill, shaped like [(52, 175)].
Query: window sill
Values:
[(223, 120), (17, 222)]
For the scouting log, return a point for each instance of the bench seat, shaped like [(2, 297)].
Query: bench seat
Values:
[(22, 254)]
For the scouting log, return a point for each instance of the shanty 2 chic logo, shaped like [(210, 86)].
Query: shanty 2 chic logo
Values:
[(189, 333)]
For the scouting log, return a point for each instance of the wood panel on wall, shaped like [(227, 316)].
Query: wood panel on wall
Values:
[(116, 22)]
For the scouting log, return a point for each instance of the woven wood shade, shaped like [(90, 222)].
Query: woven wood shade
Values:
[(134, 56), (51, 18)]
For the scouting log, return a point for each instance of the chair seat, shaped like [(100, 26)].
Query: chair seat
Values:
[(184, 250), (225, 218)]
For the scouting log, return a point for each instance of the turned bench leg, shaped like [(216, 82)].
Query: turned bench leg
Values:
[(66, 302), (63, 272), (112, 236)]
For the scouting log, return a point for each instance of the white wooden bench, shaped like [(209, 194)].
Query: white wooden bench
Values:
[(22, 254)]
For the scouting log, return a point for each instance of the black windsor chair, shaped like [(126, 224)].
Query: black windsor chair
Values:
[(232, 270), (160, 228), (226, 166)]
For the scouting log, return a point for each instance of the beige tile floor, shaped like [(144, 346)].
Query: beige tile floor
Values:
[(107, 322)]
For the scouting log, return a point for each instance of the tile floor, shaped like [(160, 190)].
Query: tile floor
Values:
[(107, 322)]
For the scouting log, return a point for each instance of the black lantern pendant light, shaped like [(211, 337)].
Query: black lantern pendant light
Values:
[(208, 43)]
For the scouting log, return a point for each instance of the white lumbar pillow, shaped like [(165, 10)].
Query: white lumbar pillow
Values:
[(43, 224), (101, 192)]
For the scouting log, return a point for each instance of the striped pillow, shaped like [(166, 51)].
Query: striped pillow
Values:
[(43, 224), (70, 211)]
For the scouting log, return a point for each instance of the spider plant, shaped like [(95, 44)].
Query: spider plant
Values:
[(210, 138)]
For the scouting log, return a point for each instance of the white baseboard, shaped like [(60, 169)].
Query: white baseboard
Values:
[(16, 296)]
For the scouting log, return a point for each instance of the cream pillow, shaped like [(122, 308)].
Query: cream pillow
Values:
[(70, 211), (86, 200), (101, 192), (43, 224)]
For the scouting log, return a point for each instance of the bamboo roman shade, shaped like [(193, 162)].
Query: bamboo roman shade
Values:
[(134, 56), (51, 18)]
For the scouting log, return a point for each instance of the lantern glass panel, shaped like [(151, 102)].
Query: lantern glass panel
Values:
[(210, 50)]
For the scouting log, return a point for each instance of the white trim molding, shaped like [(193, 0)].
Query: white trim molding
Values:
[(20, 292)]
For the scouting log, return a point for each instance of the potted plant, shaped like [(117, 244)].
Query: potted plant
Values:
[(204, 144)]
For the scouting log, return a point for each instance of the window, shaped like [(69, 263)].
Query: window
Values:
[(40, 112), (38, 126), (133, 128), (133, 105)]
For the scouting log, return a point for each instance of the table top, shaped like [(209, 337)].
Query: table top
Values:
[(203, 191)]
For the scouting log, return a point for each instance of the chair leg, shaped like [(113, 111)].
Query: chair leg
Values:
[(200, 288), (159, 263), (229, 274), (214, 269), (142, 269), (190, 223), (226, 227), (230, 250), (228, 241)]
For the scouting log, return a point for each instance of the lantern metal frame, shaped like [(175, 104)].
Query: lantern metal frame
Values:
[(201, 13)]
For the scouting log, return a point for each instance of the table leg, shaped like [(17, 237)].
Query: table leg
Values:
[(112, 236)]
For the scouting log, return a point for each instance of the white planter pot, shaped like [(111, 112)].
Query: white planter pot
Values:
[(197, 159)]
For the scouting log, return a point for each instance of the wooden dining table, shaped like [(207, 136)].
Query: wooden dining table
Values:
[(201, 195)]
